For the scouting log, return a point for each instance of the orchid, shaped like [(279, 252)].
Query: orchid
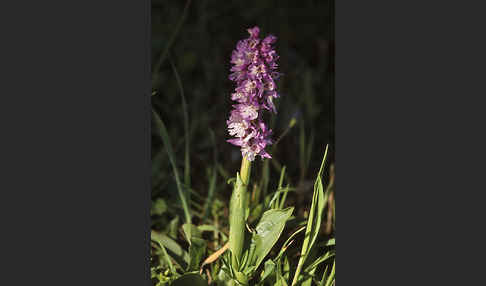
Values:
[(254, 71)]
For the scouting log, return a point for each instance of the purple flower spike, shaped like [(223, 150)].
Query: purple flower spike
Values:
[(255, 71)]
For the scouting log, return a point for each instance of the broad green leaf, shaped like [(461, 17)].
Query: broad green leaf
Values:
[(191, 279), (268, 231)]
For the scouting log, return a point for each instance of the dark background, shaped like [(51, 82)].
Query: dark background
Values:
[(201, 51)]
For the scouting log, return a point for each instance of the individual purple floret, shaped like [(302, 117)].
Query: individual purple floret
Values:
[(254, 71)]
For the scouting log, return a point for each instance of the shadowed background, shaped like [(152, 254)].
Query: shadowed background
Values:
[(194, 40)]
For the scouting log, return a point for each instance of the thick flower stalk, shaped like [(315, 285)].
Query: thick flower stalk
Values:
[(254, 71)]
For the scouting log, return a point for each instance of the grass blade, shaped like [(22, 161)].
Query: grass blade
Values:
[(187, 162), (178, 254), (167, 259), (209, 201), (319, 260), (170, 152), (288, 242), (212, 180), (331, 279), (280, 182), (313, 221)]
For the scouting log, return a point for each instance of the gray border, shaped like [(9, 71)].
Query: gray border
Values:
[(75, 145), (409, 154)]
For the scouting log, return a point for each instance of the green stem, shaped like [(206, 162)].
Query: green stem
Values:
[(245, 170), (237, 218)]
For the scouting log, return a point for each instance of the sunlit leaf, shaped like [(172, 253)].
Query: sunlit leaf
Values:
[(268, 231)]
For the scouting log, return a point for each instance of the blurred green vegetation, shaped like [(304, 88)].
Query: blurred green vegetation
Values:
[(201, 51)]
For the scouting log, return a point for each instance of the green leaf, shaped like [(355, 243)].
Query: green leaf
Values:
[(173, 227), (167, 259), (276, 195), (269, 269), (174, 249), (314, 219), (190, 231), (287, 242), (197, 250), (159, 207), (191, 279), (331, 242), (286, 268), (268, 231), (241, 278), (280, 281), (319, 260), (329, 279)]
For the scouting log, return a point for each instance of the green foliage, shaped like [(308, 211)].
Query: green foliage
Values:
[(197, 250), (268, 232), (170, 152), (314, 220), (177, 253)]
